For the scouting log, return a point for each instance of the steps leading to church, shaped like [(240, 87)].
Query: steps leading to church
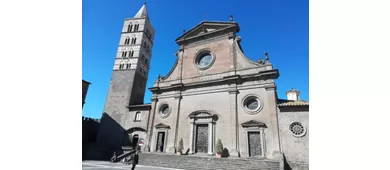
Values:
[(205, 162)]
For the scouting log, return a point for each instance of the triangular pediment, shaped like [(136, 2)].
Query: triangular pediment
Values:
[(206, 28), (161, 126), (253, 123)]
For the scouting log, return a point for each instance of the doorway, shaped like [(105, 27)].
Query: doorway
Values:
[(135, 140), (160, 142), (254, 144), (201, 138)]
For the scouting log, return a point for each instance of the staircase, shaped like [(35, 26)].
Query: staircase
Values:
[(192, 162)]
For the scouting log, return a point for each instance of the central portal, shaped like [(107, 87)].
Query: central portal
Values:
[(201, 138), (160, 142), (254, 143)]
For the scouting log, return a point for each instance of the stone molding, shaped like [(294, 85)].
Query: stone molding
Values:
[(199, 54), (260, 102), (160, 107), (162, 126), (226, 80)]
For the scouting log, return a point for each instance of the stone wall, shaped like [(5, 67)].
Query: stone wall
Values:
[(295, 148)]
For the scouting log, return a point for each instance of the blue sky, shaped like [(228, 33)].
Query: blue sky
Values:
[(280, 27)]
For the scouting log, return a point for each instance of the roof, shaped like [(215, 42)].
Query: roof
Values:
[(142, 13), (86, 82), (222, 25), (282, 102)]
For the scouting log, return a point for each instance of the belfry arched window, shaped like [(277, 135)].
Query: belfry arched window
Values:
[(129, 28)]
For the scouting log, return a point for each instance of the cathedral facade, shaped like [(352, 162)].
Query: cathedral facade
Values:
[(213, 92)]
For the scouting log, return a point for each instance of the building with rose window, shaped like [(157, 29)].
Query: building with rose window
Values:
[(213, 91)]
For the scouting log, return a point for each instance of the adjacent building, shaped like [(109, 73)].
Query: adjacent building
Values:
[(213, 91), (85, 91)]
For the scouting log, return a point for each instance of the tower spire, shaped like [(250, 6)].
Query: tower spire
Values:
[(142, 13)]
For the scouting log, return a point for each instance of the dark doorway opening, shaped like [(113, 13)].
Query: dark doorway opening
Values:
[(160, 142), (135, 140), (201, 138)]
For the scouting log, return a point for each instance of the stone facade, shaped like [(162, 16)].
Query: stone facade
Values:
[(213, 91), (215, 96)]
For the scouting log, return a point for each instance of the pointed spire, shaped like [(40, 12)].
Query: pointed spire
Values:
[(142, 12)]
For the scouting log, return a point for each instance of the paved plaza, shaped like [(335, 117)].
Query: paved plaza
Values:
[(104, 165)]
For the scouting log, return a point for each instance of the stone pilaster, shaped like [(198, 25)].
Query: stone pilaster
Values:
[(233, 120), (210, 143), (152, 115), (192, 143), (178, 98), (273, 118)]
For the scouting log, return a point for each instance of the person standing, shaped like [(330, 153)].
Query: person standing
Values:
[(114, 157), (134, 158)]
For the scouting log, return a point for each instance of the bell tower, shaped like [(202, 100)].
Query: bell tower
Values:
[(129, 75)]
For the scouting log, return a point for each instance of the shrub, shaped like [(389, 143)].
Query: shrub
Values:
[(180, 147), (219, 147)]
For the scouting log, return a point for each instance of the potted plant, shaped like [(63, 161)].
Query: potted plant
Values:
[(180, 147), (219, 149)]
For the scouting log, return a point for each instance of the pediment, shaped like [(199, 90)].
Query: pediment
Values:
[(200, 113), (206, 28), (162, 126), (253, 123)]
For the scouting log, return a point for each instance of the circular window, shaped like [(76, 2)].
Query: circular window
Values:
[(252, 104), (165, 110), (204, 60), (297, 129)]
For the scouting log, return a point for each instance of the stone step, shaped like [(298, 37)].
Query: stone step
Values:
[(205, 162)]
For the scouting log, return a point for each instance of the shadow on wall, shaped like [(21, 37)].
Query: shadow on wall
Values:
[(109, 139), (286, 165)]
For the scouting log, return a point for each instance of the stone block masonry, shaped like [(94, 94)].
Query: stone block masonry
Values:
[(205, 162)]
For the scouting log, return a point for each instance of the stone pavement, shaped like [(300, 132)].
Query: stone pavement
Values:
[(192, 162), (104, 165), (158, 161)]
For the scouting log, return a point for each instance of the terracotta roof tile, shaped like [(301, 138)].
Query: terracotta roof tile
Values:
[(282, 102)]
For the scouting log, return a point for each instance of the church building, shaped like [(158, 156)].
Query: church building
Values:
[(212, 92)]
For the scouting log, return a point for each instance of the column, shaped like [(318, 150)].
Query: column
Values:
[(192, 138), (262, 142), (210, 149)]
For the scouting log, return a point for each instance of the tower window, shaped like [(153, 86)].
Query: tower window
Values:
[(127, 66), (127, 41), (136, 27), (133, 40), (129, 28), (146, 61), (121, 66), (137, 117), (123, 54)]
